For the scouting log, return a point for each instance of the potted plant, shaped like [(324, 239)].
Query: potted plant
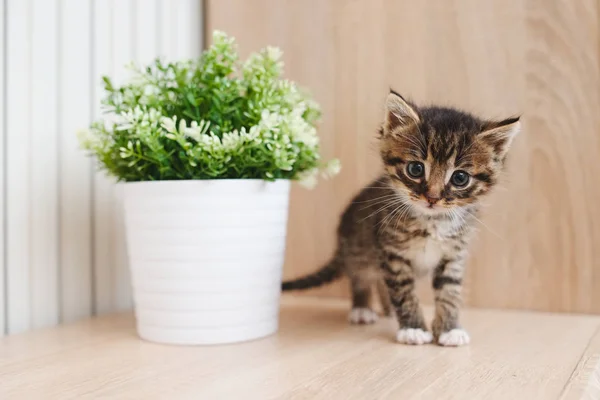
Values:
[(206, 149)]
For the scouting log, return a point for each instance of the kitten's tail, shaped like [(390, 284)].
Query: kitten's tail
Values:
[(327, 274)]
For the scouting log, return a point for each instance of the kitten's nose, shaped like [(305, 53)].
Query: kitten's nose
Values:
[(432, 200)]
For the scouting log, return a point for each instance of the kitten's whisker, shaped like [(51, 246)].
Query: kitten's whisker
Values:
[(387, 196), (399, 212), (422, 142), (397, 217), (377, 203), (453, 218), (487, 227), (479, 154), (412, 141), (403, 214), (420, 145), (397, 204), (374, 202), (393, 203), (469, 147), (386, 221), (460, 220)]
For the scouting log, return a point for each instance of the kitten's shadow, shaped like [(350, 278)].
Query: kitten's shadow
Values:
[(324, 321)]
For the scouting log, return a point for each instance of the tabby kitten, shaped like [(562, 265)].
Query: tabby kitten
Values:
[(417, 218)]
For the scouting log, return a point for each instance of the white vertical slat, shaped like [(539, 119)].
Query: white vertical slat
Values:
[(103, 186), (196, 31), (44, 165), (143, 50), (167, 25), (182, 27), (2, 172), (18, 86), (75, 171), (123, 53), (146, 38), (187, 25)]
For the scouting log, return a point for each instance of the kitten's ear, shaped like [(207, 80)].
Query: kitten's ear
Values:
[(500, 134), (398, 113)]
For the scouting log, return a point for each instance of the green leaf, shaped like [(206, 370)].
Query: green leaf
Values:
[(190, 97), (216, 94)]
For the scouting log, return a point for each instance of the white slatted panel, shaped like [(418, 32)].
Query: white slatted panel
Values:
[(75, 171), (146, 35), (140, 30), (18, 171), (167, 26), (103, 186), (44, 242), (176, 20), (62, 243), (123, 44), (186, 15), (3, 305)]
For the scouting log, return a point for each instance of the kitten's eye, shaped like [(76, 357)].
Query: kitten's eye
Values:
[(415, 169), (460, 179)]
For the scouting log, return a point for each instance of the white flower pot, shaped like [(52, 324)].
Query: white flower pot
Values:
[(206, 258)]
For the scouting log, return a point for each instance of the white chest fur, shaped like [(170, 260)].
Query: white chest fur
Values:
[(425, 253)]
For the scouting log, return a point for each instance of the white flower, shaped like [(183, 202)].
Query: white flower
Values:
[(231, 140), (195, 130), (274, 53), (182, 125), (169, 124), (332, 168), (151, 89), (220, 37), (87, 138), (308, 179)]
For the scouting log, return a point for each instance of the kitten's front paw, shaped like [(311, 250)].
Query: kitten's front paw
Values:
[(413, 336), (362, 316), (455, 337)]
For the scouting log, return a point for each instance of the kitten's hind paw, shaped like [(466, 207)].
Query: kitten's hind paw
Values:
[(455, 337), (414, 336), (362, 316)]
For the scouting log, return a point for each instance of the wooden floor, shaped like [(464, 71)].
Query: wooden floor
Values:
[(316, 355)]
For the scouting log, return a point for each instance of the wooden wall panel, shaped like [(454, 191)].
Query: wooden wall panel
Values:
[(563, 108), (531, 57)]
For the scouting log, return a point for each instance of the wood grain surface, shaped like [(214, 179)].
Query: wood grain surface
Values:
[(536, 58), (315, 355)]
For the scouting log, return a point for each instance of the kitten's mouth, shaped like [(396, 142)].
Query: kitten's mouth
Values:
[(423, 207), (427, 208)]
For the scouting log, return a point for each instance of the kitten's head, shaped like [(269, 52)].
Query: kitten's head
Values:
[(440, 159)]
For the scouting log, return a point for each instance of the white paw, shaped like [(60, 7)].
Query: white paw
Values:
[(414, 336), (455, 337), (362, 316)]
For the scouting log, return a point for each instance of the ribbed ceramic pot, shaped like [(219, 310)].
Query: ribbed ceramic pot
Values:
[(206, 258)]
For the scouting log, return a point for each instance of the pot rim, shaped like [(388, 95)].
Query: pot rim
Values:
[(187, 181)]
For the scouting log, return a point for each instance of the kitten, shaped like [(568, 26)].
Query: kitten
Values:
[(417, 218)]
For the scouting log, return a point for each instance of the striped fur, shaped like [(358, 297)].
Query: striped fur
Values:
[(327, 274), (404, 226)]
